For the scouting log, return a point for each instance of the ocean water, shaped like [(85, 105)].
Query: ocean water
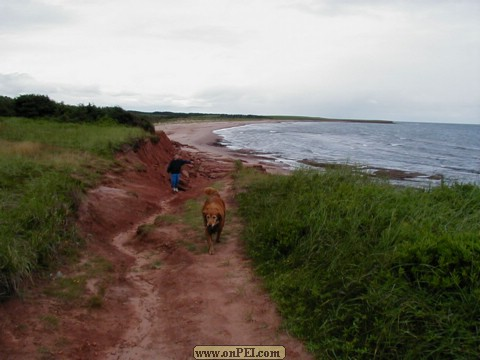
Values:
[(451, 151)]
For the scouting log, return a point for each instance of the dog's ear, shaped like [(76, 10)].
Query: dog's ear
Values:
[(219, 217)]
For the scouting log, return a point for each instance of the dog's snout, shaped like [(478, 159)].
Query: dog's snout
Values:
[(212, 224), (212, 228), (212, 220)]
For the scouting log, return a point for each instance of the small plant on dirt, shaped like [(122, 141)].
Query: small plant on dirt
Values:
[(157, 264), (45, 353), (74, 288), (145, 229), (67, 288), (166, 219), (98, 267), (193, 247), (95, 301), (50, 322)]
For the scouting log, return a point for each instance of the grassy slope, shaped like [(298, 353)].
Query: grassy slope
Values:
[(364, 270), (44, 167)]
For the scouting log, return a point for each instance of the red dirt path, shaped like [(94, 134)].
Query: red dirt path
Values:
[(162, 294)]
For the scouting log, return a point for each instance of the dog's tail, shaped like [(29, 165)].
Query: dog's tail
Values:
[(211, 191)]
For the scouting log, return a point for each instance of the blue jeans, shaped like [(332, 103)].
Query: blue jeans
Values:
[(174, 179)]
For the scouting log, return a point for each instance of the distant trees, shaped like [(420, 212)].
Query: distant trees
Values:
[(32, 106), (7, 106), (38, 106)]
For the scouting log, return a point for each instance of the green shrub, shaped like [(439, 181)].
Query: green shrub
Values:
[(34, 106), (7, 106)]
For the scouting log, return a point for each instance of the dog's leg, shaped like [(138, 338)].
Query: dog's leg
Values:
[(211, 249), (219, 231), (220, 227)]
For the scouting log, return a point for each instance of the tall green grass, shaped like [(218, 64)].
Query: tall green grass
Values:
[(361, 269), (98, 138), (44, 168)]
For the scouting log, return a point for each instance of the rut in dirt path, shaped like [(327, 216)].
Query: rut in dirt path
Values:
[(183, 298)]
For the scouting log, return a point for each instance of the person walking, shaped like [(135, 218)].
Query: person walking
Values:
[(174, 169)]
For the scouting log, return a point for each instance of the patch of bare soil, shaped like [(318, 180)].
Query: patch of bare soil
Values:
[(160, 293)]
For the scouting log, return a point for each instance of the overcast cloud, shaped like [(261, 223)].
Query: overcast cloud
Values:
[(411, 60)]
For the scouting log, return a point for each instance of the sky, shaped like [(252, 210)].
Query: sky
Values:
[(400, 60)]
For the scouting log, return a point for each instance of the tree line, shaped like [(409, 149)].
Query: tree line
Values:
[(41, 106)]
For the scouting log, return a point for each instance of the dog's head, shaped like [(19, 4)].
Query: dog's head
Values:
[(211, 221)]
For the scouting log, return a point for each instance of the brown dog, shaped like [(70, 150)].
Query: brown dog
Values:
[(213, 217)]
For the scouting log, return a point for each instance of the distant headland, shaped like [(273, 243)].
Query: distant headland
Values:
[(164, 116)]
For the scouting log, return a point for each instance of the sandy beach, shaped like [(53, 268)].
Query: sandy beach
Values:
[(199, 137)]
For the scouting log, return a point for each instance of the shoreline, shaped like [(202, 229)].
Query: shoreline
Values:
[(200, 137)]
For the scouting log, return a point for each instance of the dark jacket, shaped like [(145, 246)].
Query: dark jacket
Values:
[(175, 166)]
